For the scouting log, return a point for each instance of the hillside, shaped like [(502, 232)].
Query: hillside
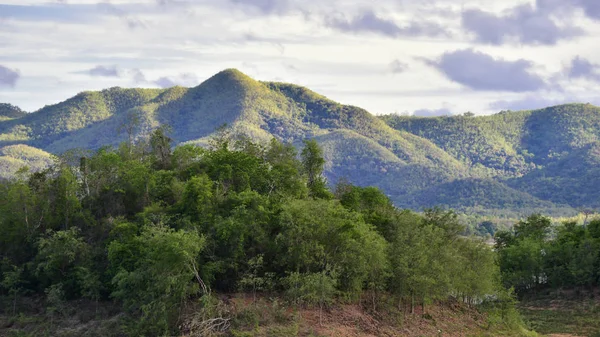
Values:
[(15, 157), (551, 153), (417, 161)]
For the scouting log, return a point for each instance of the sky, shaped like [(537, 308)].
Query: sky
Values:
[(427, 57)]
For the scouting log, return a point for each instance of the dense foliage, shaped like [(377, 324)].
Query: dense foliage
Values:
[(535, 255), (9, 111), (154, 228)]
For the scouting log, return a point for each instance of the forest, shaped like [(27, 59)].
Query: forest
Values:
[(534, 255), (154, 228)]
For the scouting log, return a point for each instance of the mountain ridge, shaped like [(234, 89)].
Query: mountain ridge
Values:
[(418, 162)]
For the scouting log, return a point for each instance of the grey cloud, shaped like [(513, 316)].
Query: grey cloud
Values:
[(582, 68), (480, 71), (185, 79), (523, 24), (398, 67), (591, 8), (8, 77), (104, 71), (370, 22), (137, 76), (432, 113)]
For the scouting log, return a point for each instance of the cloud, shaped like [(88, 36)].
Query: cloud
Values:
[(532, 102), (112, 10), (522, 24), (8, 77), (582, 68), (432, 112), (265, 6), (137, 76), (398, 67), (370, 22), (185, 79), (104, 71), (48, 12), (591, 8), (480, 71)]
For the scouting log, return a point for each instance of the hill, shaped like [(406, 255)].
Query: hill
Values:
[(416, 161), (551, 154)]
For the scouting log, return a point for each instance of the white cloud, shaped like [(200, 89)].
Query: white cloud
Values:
[(165, 39)]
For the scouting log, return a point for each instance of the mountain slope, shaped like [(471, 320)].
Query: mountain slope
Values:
[(418, 162), (550, 153), (15, 157)]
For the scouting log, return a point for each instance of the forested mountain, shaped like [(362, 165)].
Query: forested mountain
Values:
[(517, 162), (551, 154)]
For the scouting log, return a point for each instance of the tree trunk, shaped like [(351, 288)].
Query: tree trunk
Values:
[(321, 313), (374, 303)]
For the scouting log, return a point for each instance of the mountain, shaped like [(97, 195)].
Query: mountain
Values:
[(477, 164), (552, 154)]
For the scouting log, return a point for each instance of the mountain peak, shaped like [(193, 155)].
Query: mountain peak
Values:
[(232, 74), (228, 79)]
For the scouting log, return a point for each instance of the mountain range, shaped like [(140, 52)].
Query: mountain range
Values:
[(510, 163)]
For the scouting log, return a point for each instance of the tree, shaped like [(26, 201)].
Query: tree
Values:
[(522, 265), (315, 235), (284, 176), (13, 283), (164, 273), (59, 255), (161, 147), (256, 279), (313, 163), (196, 199), (130, 126), (535, 227), (445, 220)]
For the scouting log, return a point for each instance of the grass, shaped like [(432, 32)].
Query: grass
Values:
[(578, 316)]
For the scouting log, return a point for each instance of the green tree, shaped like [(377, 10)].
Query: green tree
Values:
[(256, 279), (59, 255), (313, 163), (13, 283), (161, 147), (197, 198), (536, 227), (164, 272), (313, 288)]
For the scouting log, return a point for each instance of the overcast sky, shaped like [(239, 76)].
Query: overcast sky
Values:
[(425, 57)]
